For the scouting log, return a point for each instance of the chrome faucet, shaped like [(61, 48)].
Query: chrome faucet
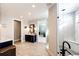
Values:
[(63, 50)]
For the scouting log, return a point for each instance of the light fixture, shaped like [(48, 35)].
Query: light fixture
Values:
[(29, 13), (33, 6)]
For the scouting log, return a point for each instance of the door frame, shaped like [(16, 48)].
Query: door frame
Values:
[(14, 30)]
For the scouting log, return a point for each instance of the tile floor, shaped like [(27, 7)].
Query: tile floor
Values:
[(30, 49)]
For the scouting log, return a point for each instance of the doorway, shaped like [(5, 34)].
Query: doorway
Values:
[(17, 31), (43, 31)]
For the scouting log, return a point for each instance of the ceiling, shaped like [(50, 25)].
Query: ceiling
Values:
[(21, 10), (69, 7)]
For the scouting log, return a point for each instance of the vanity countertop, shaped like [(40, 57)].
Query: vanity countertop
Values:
[(5, 40), (30, 34)]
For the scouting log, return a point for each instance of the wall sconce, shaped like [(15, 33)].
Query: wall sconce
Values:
[(25, 27)]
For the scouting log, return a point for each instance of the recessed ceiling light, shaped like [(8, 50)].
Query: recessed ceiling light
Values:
[(29, 13), (33, 6)]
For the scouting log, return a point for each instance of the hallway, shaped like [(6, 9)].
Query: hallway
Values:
[(31, 49)]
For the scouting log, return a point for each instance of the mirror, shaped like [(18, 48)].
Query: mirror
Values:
[(32, 28)]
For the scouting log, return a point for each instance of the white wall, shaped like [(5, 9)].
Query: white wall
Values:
[(52, 27), (66, 27), (6, 30), (70, 31), (0, 31), (75, 43), (0, 22), (7, 20), (10, 12), (77, 26)]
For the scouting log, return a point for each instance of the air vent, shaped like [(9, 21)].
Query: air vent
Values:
[(58, 17), (63, 9)]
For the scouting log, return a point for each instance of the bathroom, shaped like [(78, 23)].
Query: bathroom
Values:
[(68, 28), (61, 28)]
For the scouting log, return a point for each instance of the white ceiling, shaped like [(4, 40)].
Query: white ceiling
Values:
[(15, 10), (70, 7)]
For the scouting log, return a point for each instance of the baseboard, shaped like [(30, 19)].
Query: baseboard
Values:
[(50, 52), (18, 40)]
